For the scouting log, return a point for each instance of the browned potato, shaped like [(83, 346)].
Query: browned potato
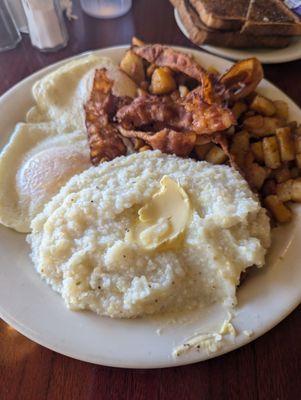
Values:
[(284, 190), (298, 144), (279, 211), (240, 146), (271, 152), (282, 174), (202, 149), (262, 126), (162, 81), (258, 151), (240, 142), (216, 155), (298, 160), (256, 175), (263, 106), (296, 190), (132, 65), (183, 90), (286, 144), (239, 108), (281, 109)]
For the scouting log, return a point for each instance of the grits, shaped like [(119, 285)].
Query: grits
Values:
[(79, 241)]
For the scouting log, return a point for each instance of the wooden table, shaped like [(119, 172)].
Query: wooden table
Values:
[(269, 368)]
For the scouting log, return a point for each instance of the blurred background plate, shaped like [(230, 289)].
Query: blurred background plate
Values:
[(266, 56)]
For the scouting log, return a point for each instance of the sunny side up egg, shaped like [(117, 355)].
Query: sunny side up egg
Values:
[(44, 153), (33, 170)]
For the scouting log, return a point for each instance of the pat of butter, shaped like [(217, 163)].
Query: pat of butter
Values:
[(164, 218)]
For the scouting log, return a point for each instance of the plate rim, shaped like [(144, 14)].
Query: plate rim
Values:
[(26, 331)]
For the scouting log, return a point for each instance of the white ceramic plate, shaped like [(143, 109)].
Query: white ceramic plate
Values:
[(31, 307), (266, 56)]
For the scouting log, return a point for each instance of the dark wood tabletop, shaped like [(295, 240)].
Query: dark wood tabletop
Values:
[(268, 368)]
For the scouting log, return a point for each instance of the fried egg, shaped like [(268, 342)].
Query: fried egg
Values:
[(60, 96), (34, 165), (44, 153)]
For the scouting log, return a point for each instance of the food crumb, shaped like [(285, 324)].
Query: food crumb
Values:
[(248, 333)]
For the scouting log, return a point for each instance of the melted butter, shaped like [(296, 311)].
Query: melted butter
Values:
[(164, 218)]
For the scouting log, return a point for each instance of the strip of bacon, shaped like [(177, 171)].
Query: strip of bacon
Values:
[(190, 114), (166, 140), (103, 137)]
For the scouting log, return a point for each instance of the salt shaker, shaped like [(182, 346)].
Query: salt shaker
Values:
[(46, 25)]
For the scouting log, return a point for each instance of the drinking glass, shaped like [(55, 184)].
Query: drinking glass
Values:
[(106, 8), (9, 34)]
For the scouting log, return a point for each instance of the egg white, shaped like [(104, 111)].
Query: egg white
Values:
[(34, 165)]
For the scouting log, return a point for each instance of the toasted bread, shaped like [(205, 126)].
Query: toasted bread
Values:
[(222, 14), (200, 34), (269, 17)]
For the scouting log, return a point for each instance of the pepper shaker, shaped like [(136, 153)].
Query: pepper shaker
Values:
[(46, 24)]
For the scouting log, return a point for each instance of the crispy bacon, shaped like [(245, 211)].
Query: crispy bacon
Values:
[(190, 114), (104, 139), (166, 140), (163, 56)]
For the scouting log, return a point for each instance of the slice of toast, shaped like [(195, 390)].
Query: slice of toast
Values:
[(222, 14), (271, 17), (200, 34)]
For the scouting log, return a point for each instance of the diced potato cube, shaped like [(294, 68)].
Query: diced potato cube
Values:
[(284, 190), (240, 142), (262, 126), (281, 109), (282, 174), (263, 106), (279, 211), (216, 155), (132, 65), (256, 175), (258, 151), (162, 81), (298, 144), (271, 152), (202, 149), (286, 144), (298, 160), (239, 108), (296, 190), (269, 187)]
